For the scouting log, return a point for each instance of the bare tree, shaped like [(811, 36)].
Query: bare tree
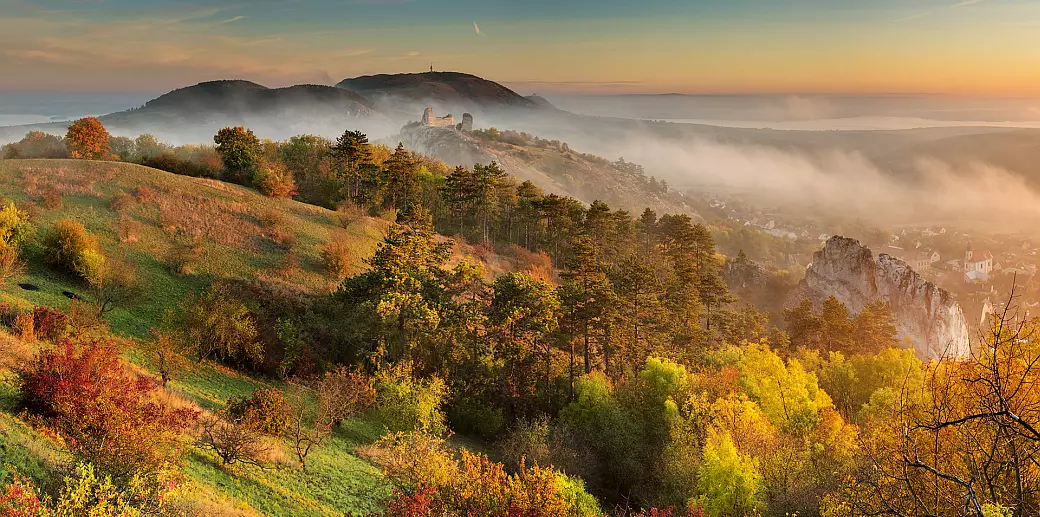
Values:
[(968, 441), (320, 406)]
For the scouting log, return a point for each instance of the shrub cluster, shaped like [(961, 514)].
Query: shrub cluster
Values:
[(109, 417), (266, 411), (68, 246)]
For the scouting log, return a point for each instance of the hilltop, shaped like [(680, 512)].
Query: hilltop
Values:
[(445, 91)]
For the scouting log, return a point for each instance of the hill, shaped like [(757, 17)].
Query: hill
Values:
[(552, 165), (448, 92), (240, 236), (193, 114)]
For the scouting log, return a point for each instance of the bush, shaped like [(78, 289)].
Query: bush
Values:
[(336, 257), (108, 416), (121, 202), (232, 439), (15, 228), (24, 328), (266, 411), (87, 494), (10, 263), (51, 199), (69, 247), (406, 403), (50, 324), (416, 459), (215, 324), (276, 181)]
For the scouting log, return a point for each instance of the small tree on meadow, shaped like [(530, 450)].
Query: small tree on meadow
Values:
[(336, 396), (87, 139), (241, 151), (214, 323), (69, 247)]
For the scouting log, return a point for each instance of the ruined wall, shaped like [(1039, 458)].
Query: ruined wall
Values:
[(429, 119)]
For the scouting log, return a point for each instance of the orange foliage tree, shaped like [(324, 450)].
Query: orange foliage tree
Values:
[(87, 139)]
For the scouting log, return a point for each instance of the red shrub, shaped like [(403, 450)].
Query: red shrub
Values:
[(108, 416), (423, 503), (51, 324), (19, 499)]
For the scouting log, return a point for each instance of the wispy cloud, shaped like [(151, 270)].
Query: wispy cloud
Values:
[(477, 29), (915, 16), (925, 14), (233, 20)]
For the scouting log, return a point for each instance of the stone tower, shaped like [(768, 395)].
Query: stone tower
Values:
[(428, 117), (467, 122)]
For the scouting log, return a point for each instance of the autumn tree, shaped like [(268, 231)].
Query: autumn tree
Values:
[(87, 139), (215, 324), (241, 152)]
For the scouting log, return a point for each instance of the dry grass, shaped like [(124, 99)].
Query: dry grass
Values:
[(39, 181), (216, 220), (13, 351)]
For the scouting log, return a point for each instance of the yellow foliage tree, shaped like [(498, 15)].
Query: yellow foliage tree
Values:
[(87, 139)]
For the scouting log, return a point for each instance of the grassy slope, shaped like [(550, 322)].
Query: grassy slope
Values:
[(339, 482)]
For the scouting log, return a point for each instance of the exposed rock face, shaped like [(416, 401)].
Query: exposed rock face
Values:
[(926, 314)]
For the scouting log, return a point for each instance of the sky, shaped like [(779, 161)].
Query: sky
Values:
[(961, 47)]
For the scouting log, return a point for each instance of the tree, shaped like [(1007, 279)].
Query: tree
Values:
[(527, 310), (214, 323), (241, 152), (875, 329), (336, 396), (397, 304), (639, 292), (966, 442), (730, 481), (113, 281), (87, 139), (354, 153)]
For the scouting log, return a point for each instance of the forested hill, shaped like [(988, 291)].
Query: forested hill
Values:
[(550, 164)]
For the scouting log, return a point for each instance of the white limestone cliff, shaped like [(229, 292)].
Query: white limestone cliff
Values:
[(924, 313)]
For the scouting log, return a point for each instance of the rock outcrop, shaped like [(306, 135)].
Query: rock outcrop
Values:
[(923, 312)]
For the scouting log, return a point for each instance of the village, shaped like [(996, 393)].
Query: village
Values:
[(980, 270)]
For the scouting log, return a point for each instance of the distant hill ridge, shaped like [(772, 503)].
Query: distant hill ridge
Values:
[(440, 88), (225, 95)]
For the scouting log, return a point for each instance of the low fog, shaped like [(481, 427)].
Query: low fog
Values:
[(817, 173)]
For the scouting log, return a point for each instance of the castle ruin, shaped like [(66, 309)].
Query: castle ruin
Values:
[(431, 120), (467, 123)]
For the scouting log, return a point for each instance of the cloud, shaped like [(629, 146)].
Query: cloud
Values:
[(477, 28), (916, 16), (925, 14), (233, 20)]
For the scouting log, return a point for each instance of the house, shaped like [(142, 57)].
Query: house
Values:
[(977, 265)]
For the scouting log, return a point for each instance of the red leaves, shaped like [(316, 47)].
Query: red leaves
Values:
[(107, 414)]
